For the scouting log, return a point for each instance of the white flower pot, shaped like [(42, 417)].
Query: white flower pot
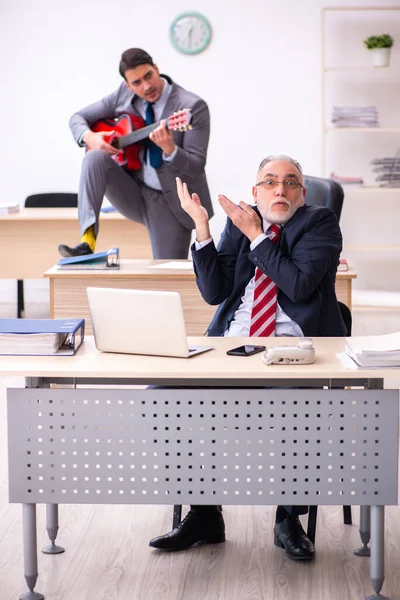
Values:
[(380, 57)]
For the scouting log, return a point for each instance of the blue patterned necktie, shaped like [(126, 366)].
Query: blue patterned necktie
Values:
[(155, 151)]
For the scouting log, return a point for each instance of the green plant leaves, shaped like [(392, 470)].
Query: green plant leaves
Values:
[(379, 41)]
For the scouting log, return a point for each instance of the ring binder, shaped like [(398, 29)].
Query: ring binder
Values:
[(41, 337), (107, 259)]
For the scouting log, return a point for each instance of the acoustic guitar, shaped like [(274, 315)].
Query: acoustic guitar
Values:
[(130, 130)]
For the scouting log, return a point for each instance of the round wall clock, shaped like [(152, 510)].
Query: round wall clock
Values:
[(190, 33)]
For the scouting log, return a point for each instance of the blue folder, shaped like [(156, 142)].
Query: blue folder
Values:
[(107, 259), (72, 330)]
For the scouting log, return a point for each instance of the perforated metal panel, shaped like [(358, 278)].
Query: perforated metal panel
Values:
[(249, 446)]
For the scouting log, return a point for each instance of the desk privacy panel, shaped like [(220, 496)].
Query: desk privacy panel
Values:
[(182, 446)]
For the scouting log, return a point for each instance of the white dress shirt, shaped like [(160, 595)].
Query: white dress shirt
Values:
[(148, 173)]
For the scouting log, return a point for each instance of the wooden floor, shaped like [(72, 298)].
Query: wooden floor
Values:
[(108, 558)]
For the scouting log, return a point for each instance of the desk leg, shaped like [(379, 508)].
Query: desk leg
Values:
[(30, 551), (365, 531), (377, 551), (52, 529)]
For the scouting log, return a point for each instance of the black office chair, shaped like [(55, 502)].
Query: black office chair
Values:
[(324, 192), (47, 200), (313, 510)]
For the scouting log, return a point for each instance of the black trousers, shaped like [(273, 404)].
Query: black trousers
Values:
[(293, 511)]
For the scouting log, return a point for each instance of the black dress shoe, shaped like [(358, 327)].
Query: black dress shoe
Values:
[(196, 528), (290, 535), (79, 250)]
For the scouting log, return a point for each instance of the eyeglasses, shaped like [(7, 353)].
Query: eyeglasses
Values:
[(288, 184)]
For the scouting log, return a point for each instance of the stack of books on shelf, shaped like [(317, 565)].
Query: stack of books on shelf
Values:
[(388, 169), (353, 181), (355, 116), (375, 351)]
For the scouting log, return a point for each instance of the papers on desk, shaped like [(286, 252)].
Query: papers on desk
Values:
[(7, 208), (375, 351), (174, 264)]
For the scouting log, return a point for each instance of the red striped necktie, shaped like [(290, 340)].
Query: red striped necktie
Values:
[(263, 312)]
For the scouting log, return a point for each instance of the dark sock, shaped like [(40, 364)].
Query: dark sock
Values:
[(206, 510), (281, 514)]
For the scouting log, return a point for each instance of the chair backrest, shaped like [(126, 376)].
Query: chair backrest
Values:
[(54, 199), (346, 316), (324, 192)]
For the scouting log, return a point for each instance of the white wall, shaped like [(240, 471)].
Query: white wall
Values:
[(261, 77)]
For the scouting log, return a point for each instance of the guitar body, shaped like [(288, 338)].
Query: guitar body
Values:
[(123, 125), (129, 131)]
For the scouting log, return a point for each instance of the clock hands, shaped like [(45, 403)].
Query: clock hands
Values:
[(189, 36)]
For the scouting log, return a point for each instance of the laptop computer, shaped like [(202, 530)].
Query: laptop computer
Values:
[(139, 322)]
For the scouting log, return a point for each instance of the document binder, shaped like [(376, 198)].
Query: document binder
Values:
[(41, 337), (107, 259)]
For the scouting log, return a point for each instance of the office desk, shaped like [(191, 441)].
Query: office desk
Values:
[(169, 446), (29, 239), (68, 289)]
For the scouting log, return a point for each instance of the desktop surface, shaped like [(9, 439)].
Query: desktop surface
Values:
[(216, 364)]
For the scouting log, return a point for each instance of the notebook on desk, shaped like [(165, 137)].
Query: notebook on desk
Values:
[(139, 322)]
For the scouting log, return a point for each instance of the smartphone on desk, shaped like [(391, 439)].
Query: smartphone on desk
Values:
[(245, 350)]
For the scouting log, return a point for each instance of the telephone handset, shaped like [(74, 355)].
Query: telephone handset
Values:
[(302, 354)]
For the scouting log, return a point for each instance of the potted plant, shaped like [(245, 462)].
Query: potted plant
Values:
[(380, 47)]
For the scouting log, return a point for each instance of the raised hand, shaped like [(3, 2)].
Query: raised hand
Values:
[(243, 216), (192, 205)]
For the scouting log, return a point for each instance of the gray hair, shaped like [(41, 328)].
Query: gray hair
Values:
[(283, 157)]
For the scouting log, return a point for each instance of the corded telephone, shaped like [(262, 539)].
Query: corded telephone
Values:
[(302, 354)]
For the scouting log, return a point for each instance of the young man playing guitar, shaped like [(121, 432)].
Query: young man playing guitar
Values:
[(148, 194)]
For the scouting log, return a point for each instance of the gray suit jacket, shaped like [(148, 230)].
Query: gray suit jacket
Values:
[(190, 159)]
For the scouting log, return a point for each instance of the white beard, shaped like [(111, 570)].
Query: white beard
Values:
[(281, 218)]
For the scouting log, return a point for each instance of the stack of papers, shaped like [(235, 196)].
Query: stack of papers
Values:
[(388, 169), (374, 351), (31, 343), (9, 207), (355, 116)]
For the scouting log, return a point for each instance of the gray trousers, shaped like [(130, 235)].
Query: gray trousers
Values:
[(102, 176)]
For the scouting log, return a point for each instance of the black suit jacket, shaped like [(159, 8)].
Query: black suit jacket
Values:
[(303, 265)]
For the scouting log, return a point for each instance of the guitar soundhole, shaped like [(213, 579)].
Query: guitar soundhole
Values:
[(115, 143)]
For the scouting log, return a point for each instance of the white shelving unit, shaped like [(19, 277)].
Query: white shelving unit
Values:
[(370, 219)]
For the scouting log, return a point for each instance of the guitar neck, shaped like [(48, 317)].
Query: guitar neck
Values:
[(135, 136)]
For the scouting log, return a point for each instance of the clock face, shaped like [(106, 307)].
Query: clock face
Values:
[(190, 33)]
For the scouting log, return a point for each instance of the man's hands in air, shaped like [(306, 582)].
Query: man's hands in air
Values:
[(192, 205), (243, 216)]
